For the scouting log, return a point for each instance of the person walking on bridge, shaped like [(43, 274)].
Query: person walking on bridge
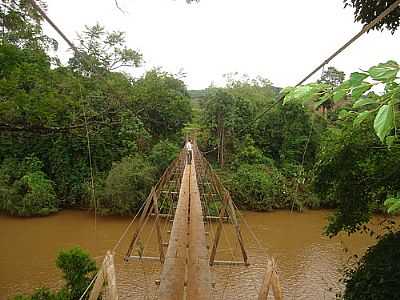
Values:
[(189, 150)]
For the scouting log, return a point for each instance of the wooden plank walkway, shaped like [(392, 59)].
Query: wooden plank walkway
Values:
[(186, 272)]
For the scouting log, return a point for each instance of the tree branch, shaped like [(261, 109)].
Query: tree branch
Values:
[(4, 127)]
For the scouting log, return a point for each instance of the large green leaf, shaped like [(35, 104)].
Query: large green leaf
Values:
[(361, 117), (339, 94), (356, 78), (286, 90), (385, 71), (359, 90), (299, 94), (383, 122), (393, 204), (363, 102)]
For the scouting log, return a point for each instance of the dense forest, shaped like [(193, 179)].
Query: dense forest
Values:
[(87, 134), (53, 115)]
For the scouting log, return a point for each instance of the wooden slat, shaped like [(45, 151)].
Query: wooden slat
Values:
[(263, 295)]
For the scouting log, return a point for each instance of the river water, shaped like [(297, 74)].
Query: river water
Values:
[(309, 263)]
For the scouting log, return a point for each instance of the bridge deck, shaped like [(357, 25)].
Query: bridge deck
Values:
[(186, 260)]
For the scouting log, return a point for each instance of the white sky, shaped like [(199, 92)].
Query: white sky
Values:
[(279, 40)]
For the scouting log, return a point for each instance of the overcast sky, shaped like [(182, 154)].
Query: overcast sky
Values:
[(278, 40)]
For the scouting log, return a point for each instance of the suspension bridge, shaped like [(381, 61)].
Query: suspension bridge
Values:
[(184, 196)]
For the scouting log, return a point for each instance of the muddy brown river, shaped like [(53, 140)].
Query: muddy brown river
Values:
[(309, 263)]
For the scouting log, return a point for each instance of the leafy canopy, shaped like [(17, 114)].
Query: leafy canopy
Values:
[(365, 11)]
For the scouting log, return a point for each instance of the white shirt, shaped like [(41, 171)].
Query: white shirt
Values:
[(189, 146)]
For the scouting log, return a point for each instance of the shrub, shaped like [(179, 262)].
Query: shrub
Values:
[(356, 174), (25, 190), (258, 187), (127, 185), (45, 294), (78, 269), (377, 275), (162, 154), (248, 153)]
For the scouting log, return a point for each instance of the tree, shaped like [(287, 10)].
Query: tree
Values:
[(381, 110), (21, 25), (25, 189), (162, 154), (219, 115), (365, 11), (331, 77), (162, 102), (101, 51), (230, 112), (127, 185)]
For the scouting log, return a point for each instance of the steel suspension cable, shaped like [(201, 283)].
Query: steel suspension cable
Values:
[(365, 29)]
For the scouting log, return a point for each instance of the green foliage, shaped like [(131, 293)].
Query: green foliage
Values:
[(101, 51), (393, 204), (234, 108), (270, 151), (134, 136), (257, 187), (356, 173), (162, 102), (365, 11), (288, 133), (384, 107), (24, 189), (78, 270), (162, 154), (332, 76), (367, 104), (377, 274), (248, 153), (127, 185), (21, 24), (45, 294), (49, 111)]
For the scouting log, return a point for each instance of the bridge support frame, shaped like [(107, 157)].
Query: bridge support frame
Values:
[(151, 206), (227, 206)]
